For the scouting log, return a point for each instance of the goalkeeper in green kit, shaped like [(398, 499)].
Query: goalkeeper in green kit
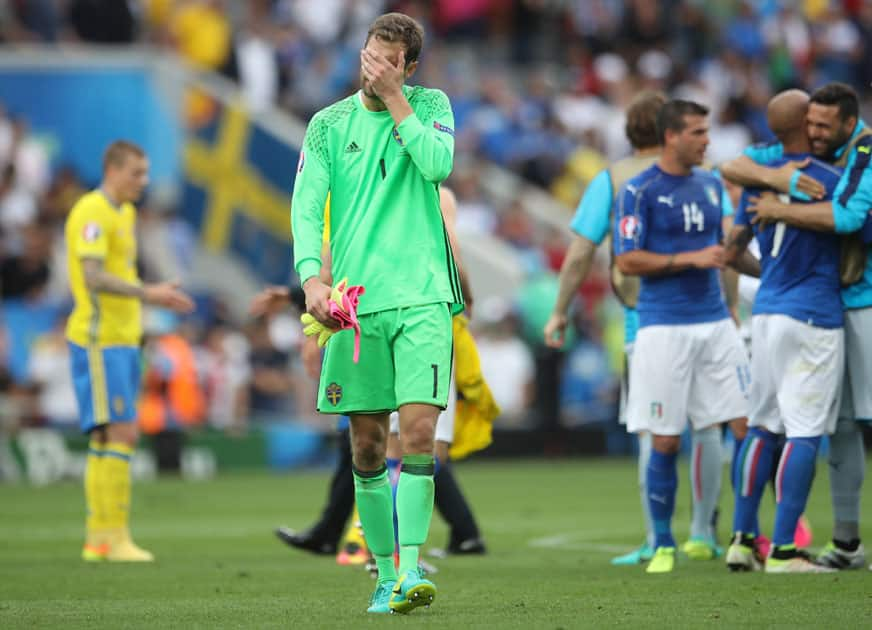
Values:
[(381, 154)]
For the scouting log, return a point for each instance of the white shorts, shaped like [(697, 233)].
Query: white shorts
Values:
[(797, 372), (857, 392), (625, 385), (688, 371), (445, 422)]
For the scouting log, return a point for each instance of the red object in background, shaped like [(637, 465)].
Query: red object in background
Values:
[(852, 7), (593, 290), (450, 13)]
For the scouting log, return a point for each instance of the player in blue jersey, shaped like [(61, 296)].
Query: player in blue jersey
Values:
[(591, 225), (797, 354), (689, 361), (836, 134)]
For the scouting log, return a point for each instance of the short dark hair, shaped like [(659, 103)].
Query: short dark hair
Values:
[(671, 116), (399, 27), (840, 94), (118, 151), (641, 125)]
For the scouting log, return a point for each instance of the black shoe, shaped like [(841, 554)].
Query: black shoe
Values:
[(305, 541), (471, 546)]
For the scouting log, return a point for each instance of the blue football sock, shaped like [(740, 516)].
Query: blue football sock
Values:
[(734, 463), (751, 474), (792, 486), (662, 484)]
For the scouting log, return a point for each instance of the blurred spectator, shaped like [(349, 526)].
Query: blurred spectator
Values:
[(17, 211), (103, 21), (728, 137), (838, 45), (535, 299), (25, 274), (271, 381), (255, 58), (506, 361), (49, 372), (172, 400), (475, 215), (227, 375), (201, 32), (29, 156)]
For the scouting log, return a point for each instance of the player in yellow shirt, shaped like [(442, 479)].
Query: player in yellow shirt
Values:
[(104, 332)]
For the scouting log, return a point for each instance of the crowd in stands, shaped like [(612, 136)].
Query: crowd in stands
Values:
[(537, 87)]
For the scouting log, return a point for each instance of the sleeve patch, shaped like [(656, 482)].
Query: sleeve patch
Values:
[(91, 232), (629, 227), (444, 129), (398, 137)]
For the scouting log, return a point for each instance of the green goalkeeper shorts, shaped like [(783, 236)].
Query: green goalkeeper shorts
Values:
[(405, 357)]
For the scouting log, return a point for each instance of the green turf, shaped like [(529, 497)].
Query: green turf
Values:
[(551, 528)]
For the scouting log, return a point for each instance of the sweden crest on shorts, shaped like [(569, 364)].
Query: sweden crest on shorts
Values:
[(333, 393)]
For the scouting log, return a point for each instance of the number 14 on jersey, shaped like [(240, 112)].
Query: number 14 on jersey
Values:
[(693, 216)]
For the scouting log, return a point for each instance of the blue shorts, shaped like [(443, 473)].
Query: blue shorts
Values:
[(106, 381)]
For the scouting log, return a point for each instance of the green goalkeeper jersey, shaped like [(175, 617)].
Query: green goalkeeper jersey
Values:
[(386, 228)]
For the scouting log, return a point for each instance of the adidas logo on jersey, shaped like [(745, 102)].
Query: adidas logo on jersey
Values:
[(353, 148)]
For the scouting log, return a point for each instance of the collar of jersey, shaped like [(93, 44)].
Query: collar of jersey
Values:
[(860, 126), (109, 200), (358, 100)]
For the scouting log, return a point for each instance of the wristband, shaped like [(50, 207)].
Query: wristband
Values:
[(794, 191)]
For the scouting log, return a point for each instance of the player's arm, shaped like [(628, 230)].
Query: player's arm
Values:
[(92, 245), (590, 224), (846, 213), (644, 263), (739, 234), (166, 294), (448, 206), (630, 235), (736, 253), (430, 141), (750, 171), (307, 219)]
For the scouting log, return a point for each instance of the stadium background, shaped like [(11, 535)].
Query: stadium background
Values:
[(218, 94)]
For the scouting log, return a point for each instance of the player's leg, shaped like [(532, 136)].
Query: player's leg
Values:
[(706, 471), (96, 546), (660, 376), (422, 355), (644, 552), (372, 493), (365, 392), (721, 382), (323, 537), (465, 537), (113, 377), (809, 386), (91, 408), (352, 544), (847, 460), (121, 440)]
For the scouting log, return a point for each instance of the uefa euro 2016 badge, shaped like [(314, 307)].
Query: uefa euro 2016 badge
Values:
[(334, 393), (629, 227)]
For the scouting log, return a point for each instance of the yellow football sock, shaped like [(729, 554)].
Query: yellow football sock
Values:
[(354, 533), (116, 484), (95, 519)]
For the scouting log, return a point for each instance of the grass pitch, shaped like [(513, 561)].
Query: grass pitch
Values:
[(551, 527)]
